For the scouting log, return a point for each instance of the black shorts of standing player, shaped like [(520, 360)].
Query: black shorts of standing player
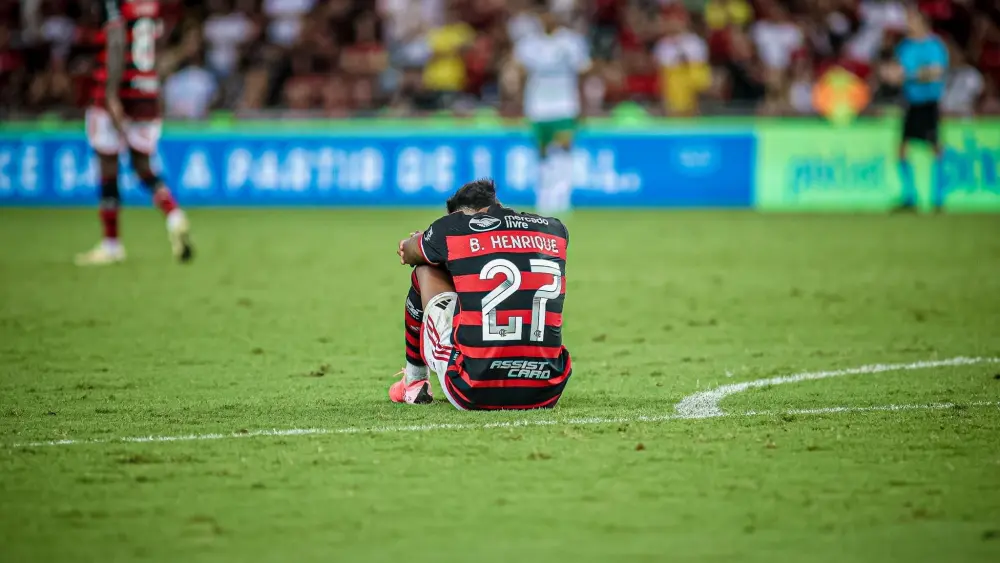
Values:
[(921, 124)]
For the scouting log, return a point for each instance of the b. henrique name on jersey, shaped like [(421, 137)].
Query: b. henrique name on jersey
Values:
[(509, 270)]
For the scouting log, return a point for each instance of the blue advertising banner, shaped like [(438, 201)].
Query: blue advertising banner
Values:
[(683, 169)]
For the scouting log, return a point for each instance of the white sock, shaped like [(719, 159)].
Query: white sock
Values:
[(175, 218), (111, 244), (414, 373), (543, 191), (562, 183), (543, 178)]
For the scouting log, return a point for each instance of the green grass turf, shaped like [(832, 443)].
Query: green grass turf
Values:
[(292, 319)]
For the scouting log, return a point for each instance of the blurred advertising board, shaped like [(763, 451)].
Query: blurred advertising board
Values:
[(661, 167), (814, 166)]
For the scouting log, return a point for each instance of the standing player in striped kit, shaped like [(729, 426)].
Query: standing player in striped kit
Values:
[(126, 113), (484, 312)]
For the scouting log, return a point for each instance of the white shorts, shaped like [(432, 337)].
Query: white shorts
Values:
[(140, 136), (435, 337)]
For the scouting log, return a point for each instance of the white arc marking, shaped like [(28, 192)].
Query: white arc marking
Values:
[(877, 408), (706, 403), (697, 406)]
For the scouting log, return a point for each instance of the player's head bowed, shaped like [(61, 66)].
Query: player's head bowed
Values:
[(474, 196)]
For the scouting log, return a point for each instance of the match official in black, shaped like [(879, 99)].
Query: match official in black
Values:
[(921, 62)]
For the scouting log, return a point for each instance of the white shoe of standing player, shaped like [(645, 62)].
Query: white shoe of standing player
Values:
[(179, 232), (105, 253)]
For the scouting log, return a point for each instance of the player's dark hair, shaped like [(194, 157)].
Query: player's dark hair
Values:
[(474, 196)]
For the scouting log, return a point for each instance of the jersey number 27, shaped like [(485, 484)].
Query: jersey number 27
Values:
[(512, 330)]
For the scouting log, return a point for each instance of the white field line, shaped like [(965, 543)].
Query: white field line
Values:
[(492, 425), (697, 406), (876, 408), (706, 403)]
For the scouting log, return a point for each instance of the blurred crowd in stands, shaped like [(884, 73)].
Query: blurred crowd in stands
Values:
[(339, 58)]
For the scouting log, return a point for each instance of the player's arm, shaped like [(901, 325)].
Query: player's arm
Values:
[(934, 71), (911, 69), (584, 64), (930, 73), (410, 253), (115, 63), (902, 68), (425, 247)]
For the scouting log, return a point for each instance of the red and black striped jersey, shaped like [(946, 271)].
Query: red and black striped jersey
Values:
[(509, 270), (140, 82)]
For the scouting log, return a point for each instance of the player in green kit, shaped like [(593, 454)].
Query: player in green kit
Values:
[(552, 62)]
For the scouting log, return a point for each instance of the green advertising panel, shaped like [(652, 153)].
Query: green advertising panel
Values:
[(820, 167)]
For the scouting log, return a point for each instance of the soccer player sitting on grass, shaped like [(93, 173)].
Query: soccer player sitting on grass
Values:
[(484, 310)]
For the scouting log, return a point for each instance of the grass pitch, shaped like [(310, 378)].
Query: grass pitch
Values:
[(292, 319)]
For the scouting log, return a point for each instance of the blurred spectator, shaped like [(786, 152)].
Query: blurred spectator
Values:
[(985, 53), (800, 93), (881, 25), (606, 23), (173, 11), (58, 30), (316, 52), (444, 74), (300, 95), (885, 14), (483, 15), (226, 31), (336, 101), (683, 59), (52, 86), (481, 64), (641, 79), (286, 19), (778, 40), (342, 57), (363, 96), (744, 74), (721, 14), (965, 85), (828, 27), (401, 15), (405, 26), (256, 92), (190, 43), (190, 92), (365, 55), (12, 68), (563, 9)]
